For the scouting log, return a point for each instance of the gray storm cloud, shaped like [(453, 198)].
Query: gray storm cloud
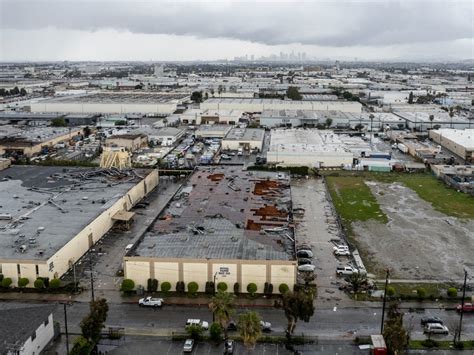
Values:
[(331, 23)]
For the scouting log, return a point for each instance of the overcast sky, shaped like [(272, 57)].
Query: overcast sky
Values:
[(190, 30)]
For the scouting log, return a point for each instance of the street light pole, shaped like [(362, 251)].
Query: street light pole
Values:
[(92, 279), (65, 326), (462, 305), (214, 284), (384, 300)]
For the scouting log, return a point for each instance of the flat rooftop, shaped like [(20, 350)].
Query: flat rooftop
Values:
[(245, 134), (9, 134), (224, 213), (43, 208), (463, 137), (276, 101), (119, 98), (306, 114)]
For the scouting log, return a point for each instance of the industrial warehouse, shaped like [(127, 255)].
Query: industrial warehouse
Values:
[(51, 216), (104, 102), (225, 225)]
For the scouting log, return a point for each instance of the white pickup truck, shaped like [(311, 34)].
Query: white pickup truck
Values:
[(346, 270), (202, 323), (150, 302)]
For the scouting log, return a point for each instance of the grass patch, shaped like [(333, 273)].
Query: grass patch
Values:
[(440, 344), (408, 290)]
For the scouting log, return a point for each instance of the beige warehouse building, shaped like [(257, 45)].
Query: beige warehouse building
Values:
[(458, 141), (245, 138), (52, 216), (224, 225)]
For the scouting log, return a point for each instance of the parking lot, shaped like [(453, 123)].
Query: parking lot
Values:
[(317, 227)]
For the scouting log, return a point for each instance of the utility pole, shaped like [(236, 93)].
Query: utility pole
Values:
[(92, 278), (74, 277), (214, 283), (65, 326), (462, 305), (384, 300)]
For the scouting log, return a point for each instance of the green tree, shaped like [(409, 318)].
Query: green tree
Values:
[(196, 96), (127, 285), (222, 286), (421, 293), (94, 322), (283, 288), (81, 347), (222, 306), (193, 287), (452, 292), (54, 283), (410, 97), (356, 281), (395, 335), (195, 331), (58, 122), (328, 122), (431, 120), (23, 281), (390, 291), (251, 288), (15, 91), (39, 284), (6, 282), (215, 332), (298, 305), (249, 328), (165, 286), (23, 92), (293, 93)]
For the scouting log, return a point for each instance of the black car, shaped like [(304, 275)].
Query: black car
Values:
[(426, 320), (304, 261), (232, 326)]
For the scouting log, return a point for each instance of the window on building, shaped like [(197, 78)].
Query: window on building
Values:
[(18, 269), (37, 270)]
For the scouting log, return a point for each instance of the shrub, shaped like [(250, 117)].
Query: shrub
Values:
[(251, 288), (148, 285), (180, 287), (236, 288), (165, 286), (127, 285), (421, 293), (429, 343), (283, 288), (1, 277), (39, 283), (222, 286), (390, 291), (45, 280), (6, 282), (209, 288), (81, 346), (193, 287), (452, 292), (54, 283), (459, 345), (194, 331), (152, 285), (215, 332), (23, 281)]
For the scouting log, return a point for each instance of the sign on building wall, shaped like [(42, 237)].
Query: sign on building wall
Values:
[(224, 271)]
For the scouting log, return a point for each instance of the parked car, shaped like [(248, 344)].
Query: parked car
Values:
[(468, 307), (346, 270), (340, 247), (429, 319), (308, 254), (266, 326), (150, 302), (203, 324), (342, 252), (232, 326), (306, 268), (304, 261), (229, 347), (225, 157), (188, 346), (435, 328)]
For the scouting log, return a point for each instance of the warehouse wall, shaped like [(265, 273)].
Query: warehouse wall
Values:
[(122, 108), (326, 159), (140, 269)]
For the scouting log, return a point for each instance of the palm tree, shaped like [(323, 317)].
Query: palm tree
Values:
[(222, 307), (250, 328), (431, 120)]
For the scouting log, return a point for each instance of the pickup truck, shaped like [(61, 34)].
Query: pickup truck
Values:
[(150, 302), (203, 324), (341, 252), (346, 270)]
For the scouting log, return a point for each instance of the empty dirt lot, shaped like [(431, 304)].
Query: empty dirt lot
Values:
[(418, 242)]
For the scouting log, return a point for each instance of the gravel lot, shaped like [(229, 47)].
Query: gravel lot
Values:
[(417, 242)]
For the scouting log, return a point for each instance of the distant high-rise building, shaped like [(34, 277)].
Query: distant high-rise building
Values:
[(337, 65), (159, 70)]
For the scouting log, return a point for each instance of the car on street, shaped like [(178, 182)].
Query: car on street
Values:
[(266, 326), (342, 252), (232, 326), (468, 307), (150, 302), (346, 270), (229, 347), (304, 261), (429, 319), (306, 268), (340, 247), (188, 346), (202, 323), (435, 328), (226, 157)]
